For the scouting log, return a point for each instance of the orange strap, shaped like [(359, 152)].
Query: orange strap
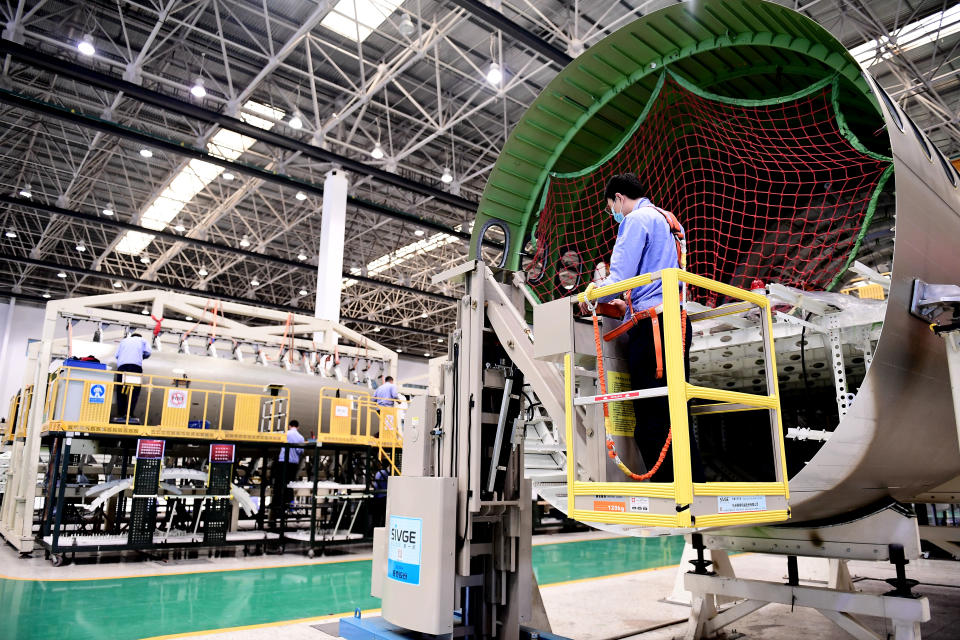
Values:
[(657, 345), (600, 374)]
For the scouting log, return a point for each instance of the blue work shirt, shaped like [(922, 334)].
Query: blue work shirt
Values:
[(132, 350), (386, 394), (294, 453), (644, 244)]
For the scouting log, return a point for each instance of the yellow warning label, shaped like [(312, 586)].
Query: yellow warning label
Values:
[(622, 419)]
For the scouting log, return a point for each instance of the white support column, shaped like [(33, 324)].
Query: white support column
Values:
[(6, 337), (330, 259)]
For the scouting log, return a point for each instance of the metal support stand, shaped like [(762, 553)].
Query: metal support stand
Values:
[(836, 601)]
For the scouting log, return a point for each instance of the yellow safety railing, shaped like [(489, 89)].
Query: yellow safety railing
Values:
[(7, 429), (102, 401), (18, 419), (385, 431), (682, 503), (343, 416)]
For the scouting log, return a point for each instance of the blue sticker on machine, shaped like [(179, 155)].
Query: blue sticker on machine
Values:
[(97, 393), (403, 549)]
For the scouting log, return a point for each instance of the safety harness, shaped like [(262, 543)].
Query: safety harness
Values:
[(618, 309)]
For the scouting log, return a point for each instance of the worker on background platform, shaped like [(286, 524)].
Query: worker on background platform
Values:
[(379, 506), (648, 240), (130, 355), (386, 394), (285, 471)]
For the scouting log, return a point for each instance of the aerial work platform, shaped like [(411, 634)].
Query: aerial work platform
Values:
[(597, 491)]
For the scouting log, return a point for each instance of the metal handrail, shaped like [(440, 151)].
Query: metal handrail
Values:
[(682, 490), (100, 416)]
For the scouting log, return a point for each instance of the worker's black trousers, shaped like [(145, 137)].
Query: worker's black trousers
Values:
[(653, 414), (283, 473), (127, 393)]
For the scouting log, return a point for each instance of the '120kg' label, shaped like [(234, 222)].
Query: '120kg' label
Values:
[(403, 549)]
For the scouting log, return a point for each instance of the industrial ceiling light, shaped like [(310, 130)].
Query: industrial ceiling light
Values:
[(198, 90), (424, 315), (61, 274), (202, 272), (303, 292), (108, 210), (494, 74), (117, 284), (145, 259), (427, 354), (85, 46), (81, 247), (376, 329), (418, 232), (26, 192), (301, 196), (447, 177), (254, 283), (180, 228), (228, 176), (440, 340), (146, 153), (46, 295), (399, 350), (189, 318), (244, 242), (10, 233), (377, 152), (296, 122), (301, 256), (406, 26), (144, 311)]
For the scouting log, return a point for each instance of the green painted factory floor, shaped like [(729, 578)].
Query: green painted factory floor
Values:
[(167, 603)]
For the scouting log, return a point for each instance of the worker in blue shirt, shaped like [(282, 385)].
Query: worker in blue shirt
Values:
[(130, 355), (285, 471), (386, 394), (648, 239)]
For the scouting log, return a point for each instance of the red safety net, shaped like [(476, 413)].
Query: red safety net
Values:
[(774, 192)]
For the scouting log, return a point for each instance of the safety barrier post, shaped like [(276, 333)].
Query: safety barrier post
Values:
[(676, 395)]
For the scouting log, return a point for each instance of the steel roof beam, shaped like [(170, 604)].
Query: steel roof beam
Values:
[(47, 264), (83, 74), (112, 128), (515, 31), (213, 246)]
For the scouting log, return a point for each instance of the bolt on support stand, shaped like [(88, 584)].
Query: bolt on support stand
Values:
[(902, 586), (700, 564)]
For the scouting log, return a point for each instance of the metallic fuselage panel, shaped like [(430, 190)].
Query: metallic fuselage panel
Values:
[(899, 437)]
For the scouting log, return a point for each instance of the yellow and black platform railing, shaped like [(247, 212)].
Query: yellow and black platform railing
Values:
[(681, 503), (101, 401)]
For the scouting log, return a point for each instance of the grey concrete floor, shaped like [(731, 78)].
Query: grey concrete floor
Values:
[(616, 608)]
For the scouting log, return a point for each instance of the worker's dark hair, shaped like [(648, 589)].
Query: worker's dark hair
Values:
[(388, 379), (135, 335), (626, 183), (295, 423)]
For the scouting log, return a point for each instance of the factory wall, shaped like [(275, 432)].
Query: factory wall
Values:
[(412, 371), (25, 325)]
